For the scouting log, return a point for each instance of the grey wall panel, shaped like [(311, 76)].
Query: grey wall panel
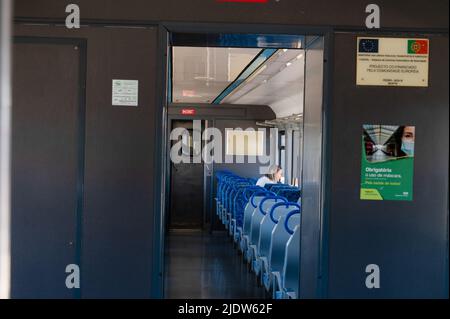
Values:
[(119, 175), (312, 170), (407, 239), (119, 166), (45, 176), (404, 13)]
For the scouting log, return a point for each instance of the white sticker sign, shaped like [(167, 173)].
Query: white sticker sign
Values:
[(125, 92), (392, 61)]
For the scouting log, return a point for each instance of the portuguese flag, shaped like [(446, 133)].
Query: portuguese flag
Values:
[(417, 46)]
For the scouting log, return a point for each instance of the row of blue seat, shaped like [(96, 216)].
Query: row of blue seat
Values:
[(265, 225)]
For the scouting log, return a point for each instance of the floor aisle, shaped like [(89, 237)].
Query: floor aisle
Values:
[(201, 265)]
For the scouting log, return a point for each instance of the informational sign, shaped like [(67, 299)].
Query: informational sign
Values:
[(188, 112), (392, 62), (125, 92), (387, 162)]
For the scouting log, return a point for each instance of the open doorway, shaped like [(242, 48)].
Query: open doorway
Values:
[(254, 87), (186, 182)]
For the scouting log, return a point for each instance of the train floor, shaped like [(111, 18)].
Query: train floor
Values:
[(200, 265)]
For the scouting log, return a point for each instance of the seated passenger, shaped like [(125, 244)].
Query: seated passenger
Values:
[(272, 177)]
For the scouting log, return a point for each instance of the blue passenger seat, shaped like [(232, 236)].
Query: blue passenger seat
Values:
[(263, 209), (265, 236), (277, 262), (291, 268), (280, 236)]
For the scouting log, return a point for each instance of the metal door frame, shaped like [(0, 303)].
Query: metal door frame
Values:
[(161, 126)]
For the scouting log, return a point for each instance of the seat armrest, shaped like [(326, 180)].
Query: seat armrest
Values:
[(251, 253), (276, 284), (264, 264)]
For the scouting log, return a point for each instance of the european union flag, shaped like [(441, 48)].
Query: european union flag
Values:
[(368, 46)]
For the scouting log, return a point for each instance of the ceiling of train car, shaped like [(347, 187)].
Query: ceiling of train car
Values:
[(200, 74), (240, 76), (277, 83)]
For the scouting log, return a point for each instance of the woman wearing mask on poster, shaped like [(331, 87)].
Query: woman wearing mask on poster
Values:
[(408, 134)]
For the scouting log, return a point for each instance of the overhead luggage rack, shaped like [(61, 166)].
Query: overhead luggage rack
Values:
[(294, 121)]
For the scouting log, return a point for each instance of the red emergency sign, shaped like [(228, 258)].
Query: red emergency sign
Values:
[(188, 111)]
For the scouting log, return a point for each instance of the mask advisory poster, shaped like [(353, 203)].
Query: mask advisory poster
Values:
[(387, 162)]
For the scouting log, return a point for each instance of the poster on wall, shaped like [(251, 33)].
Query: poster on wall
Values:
[(387, 162)]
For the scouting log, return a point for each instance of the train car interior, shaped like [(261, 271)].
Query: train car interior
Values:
[(227, 155), (236, 108)]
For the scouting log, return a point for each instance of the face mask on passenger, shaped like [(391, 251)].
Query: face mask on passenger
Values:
[(408, 147)]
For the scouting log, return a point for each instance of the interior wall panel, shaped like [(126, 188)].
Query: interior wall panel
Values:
[(408, 240), (414, 14), (45, 168), (117, 226)]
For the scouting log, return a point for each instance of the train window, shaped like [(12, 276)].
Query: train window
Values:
[(244, 143), (282, 149), (296, 157)]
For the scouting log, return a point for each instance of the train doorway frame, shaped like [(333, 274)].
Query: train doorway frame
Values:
[(318, 260)]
